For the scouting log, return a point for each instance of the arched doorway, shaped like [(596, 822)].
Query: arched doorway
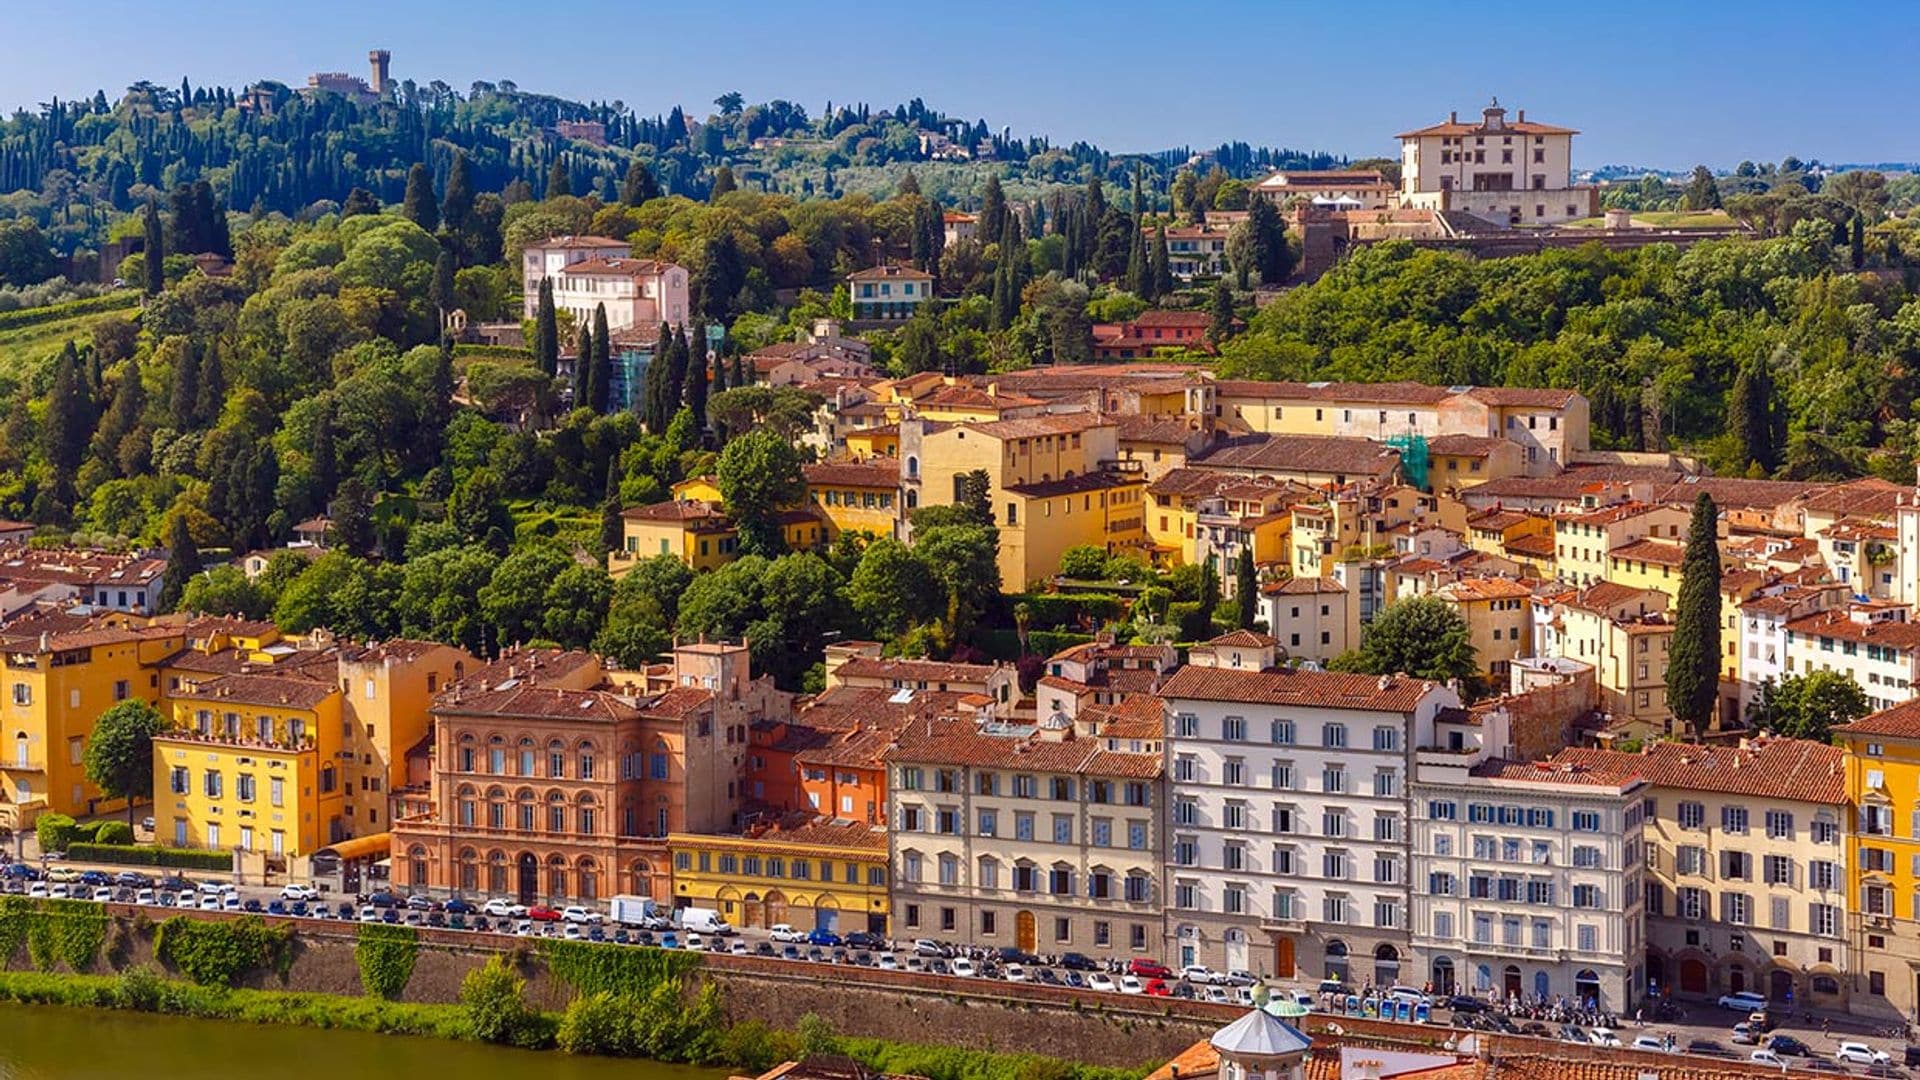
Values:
[(1443, 975), (1337, 961), (1236, 940), (1386, 966), (752, 914), (1283, 958), (1656, 974), (527, 881), (826, 913), (1693, 976), (1510, 981), (1736, 979), (776, 907), (1586, 987), (1542, 986), (640, 878), (1780, 986), (1026, 936)]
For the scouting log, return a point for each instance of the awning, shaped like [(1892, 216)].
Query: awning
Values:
[(377, 846)]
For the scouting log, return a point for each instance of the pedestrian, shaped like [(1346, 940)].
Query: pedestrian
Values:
[(1640, 1017), (1825, 1027)]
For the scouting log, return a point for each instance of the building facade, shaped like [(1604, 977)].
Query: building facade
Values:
[(1511, 172)]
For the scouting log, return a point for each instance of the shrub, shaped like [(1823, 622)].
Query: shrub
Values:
[(218, 953), (149, 855), (1052, 610), (596, 1024), (1084, 562), (496, 1009), (385, 956), (1047, 642), (54, 831), (117, 833)]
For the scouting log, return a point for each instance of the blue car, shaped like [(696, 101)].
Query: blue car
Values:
[(457, 906), (824, 938), (19, 871), (95, 878)]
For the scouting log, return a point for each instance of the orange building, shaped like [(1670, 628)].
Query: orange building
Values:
[(827, 759)]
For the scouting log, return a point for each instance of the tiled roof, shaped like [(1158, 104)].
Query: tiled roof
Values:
[(1301, 453), (1165, 318), (1324, 178), (1664, 552), (1871, 495), (1798, 769), (1485, 588), (872, 472), (1304, 586), (1838, 623), (890, 273), (294, 693), (1607, 515), (1167, 430), (1734, 492), (1557, 772), (580, 242), (1497, 520), (1075, 485), (1243, 639), (1537, 545), (826, 832), (960, 742), (1319, 689), (964, 397), (1035, 426), (616, 267), (1901, 722), (1465, 445), (1382, 393), (930, 671), (677, 510), (1603, 595), (1523, 396), (1509, 127)]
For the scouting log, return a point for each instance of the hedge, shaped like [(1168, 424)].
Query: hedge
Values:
[(148, 855), (216, 952), (1053, 610), (385, 955), (68, 309)]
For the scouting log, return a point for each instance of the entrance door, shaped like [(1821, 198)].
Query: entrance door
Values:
[(528, 879), (1780, 987), (776, 908), (1236, 950), (1025, 934), (1442, 975), (1737, 980), (750, 914), (826, 918), (1510, 982), (1283, 958), (1693, 976)]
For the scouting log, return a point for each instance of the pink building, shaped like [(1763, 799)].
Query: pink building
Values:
[(556, 253)]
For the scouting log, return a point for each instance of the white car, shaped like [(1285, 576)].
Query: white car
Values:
[(39, 889), (571, 932), (102, 896), (1131, 984), (1410, 995), (1766, 1057), (1744, 1034), (187, 899), (1240, 978), (787, 935), (502, 908), (1859, 1053), (964, 968), (230, 902), (1602, 1037), (60, 891), (144, 896), (299, 892), (694, 941), (1100, 980), (1650, 1042), (581, 916), (1016, 973), (213, 902), (887, 962), (738, 948), (1201, 975), (369, 913), (1217, 995), (1745, 1001)]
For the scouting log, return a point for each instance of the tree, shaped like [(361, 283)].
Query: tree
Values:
[(210, 391), (1220, 326), (183, 562), (456, 206), (419, 206), (1750, 419), (893, 589), (69, 422), (496, 1007), (546, 332), (1693, 659), (723, 183), (442, 292), (583, 367), (558, 182), (993, 211), (1424, 637), (1272, 258), (119, 753), (611, 528), (919, 345), (1246, 588), (966, 560), (639, 186), (154, 250), (1703, 193), (696, 376), (1857, 242), (1160, 267), (759, 475), (1083, 562), (25, 257), (351, 517), (600, 371), (1810, 706), (1139, 274)]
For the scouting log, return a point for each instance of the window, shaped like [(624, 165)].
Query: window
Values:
[(1333, 735), (1333, 780), (1585, 821), (1692, 815), (1443, 811), (1733, 819), (1779, 825), (1234, 729), (1386, 738), (1282, 733)]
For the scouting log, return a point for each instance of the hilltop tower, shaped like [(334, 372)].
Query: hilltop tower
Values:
[(379, 60)]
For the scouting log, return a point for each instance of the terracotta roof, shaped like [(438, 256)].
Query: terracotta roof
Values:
[(78, 566), (1602, 595), (1075, 485), (1327, 690), (539, 702), (1304, 586), (965, 397), (825, 832), (1035, 426), (270, 690), (1324, 178), (1166, 430), (1508, 127), (1243, 639), (1733, 492), (1538, 545), (1664, 552), (580, 242), (1839, 623), (677, 510), (1485, 588), (1165, 318), (1498, 520), (1557, 772), (1301, 453), (616, 267), (961, 742), (1900, 722), (1871, 495), (1796, 769), (1381, 393), (1465, 445), (1608, 515), (930, 671), (890, 273), (1523, 396), (871, 472)]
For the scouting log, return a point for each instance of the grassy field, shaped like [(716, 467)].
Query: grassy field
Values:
[(23, 347)]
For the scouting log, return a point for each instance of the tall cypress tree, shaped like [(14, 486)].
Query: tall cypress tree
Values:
[(1750, 414), (993, 211), (1246, 588), (1160, 265), (1139, 274), (719, 373), (600, 380), (441, 291), (436, 411), (456, 207), (741, 376), (583, 368), (211, 398), (680, 359), (155, 250), (69, 423), (183, 397), (639, 185), (183, 562), (546, 332), (696, 389), (1693, 662), (558, 182), (610, 525), (1220, 328), (419, 205), (320, 453)]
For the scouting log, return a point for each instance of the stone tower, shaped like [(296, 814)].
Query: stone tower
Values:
[(379, 60)]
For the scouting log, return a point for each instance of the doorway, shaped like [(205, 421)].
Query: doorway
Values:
[(1693, 976), (1026, 936), (1780, 986), (1283, 958), (1443, 975), (1386, 966), (528, 879), (1236, 940), (1510, 981), (1586, 987)]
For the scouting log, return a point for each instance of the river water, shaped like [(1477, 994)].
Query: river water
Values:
[(42, 1043)]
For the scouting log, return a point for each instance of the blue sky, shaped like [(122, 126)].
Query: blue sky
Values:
[(1664, 84)]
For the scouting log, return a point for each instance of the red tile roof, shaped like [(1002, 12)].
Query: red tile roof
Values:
[(871, 472), (912, 671), (890, 273), (1302, 453), (1900, 722), (1838, 623), (580, 242), (1798, 769), (1326, 690), (616, 267)]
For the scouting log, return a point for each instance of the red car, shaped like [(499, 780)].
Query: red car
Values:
[(1149, 969), (543, 913), (1158, 988)]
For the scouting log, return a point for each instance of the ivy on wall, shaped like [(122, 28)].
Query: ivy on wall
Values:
[(597, 968), (215, 953), (54, 931), (385, 955)]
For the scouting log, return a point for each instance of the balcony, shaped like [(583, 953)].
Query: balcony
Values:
[(304, 746)]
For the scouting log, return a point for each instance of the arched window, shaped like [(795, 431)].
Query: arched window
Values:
[(469, 871), (496, 755), (467, 752), (524, 818), (526, 756), (589, 816), (1482, 978), (496, 808), (467, 807), (496, 871), (1826, 984), (586, 754), (417, 866), (640, 877), (1386, 965), (557, 876), (556, 760), (589, 873), (1337, 960), (556, 812), (913, 465)]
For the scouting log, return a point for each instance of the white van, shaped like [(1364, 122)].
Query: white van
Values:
[(703, 920)]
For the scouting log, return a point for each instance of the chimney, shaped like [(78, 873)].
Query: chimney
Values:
[(1522, 115), (1453, 117)]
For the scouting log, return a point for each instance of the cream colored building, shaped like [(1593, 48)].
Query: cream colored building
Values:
[(1041, 838), (1498, 614), (1584, 540), (1626, 635), (1310, 617), (1509, 172), (1747, 862), (1877, 645)]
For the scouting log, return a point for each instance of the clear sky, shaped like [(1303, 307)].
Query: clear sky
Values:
[(1665, 84)]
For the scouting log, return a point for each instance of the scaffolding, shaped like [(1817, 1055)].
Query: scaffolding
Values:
[(1415, 462)]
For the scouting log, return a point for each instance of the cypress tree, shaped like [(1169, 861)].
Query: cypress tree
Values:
[(719, 373), (639, 185), (419, 205), (70, 415), (1221, 326), (456, 207), (993, 211), (183, 398), (1693, 664), (1750, 414), (122, 419), (211, 398), (436, 411), (183, 562), (680, 358), (558, 182), (610, 529), (600, 380), (741, 376), (1139, 274), (1271, 256), (546, 332), (155, 250), (1246, 588), (1857, 242), (441, 290), (723, 182), (696, 390), (582, 367)]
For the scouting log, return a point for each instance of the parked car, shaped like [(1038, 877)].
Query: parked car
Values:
[(95, 878), (133, 879), (1654, 1043), (823, 937), (1466, 1003), (1744, 1035), (63, 874), (1707, 1048), (369, 913), (1016, 973), (888, 962), (543, 913), (1201, 974), (1216, 994), (1149, 969), (581, 916), (929, 947), (502, 908), (1788, 1046), (383, 900), (1100, 980), (1745, 1001), (457, 906), (102, 895), (296, 891), (420, 902), (143, 896), (1766, 1057), (1409, 994), (1859, 1053), (1074, 961), (862, 939), (1131, 984), (964, 968), (1158, 988)]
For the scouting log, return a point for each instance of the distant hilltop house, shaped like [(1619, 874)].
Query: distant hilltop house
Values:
[(888, 292), (590, 271), (366, 91), (587, 131), (1515, 172)]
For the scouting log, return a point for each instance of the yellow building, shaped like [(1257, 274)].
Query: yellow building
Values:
[(857, 496), (1648, 564), (806, 872), (1493, 530), (704, 489), (1457, 462), (700, 534), (1583, 540), (63, 671), (1626, 635), (1498, 616), (390, 687), (1883, 786), (253, 763)]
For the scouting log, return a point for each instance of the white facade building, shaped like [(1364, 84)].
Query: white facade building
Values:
[(1512, 172)]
